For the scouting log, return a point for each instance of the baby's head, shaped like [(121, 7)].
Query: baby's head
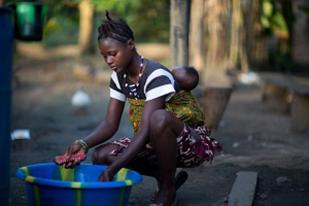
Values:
[(187, 77)]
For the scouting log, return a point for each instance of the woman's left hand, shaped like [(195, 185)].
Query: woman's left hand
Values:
[(106, 175)]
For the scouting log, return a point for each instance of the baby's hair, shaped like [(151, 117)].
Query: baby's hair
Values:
[(193, 74), (115, 29), (191, 71)]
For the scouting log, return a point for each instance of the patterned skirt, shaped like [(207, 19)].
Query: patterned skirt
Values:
[(194, 146)]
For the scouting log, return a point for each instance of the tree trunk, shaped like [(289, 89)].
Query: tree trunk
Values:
[(216, 85), (197, 34), (238, 54), (86, 20), (301, 31), (256, 45), (214, 103), (216, 25), (180, 17)]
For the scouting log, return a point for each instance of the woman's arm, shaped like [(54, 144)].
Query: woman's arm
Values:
[(103, 132), (138, 141), (108, 126)]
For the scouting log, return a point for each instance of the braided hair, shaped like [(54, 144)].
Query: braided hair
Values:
[(115, 29)]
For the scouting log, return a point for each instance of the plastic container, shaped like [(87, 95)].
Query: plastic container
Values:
[(29, 20), (50, 185)]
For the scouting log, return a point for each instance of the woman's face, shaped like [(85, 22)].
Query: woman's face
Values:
[(116, 54)]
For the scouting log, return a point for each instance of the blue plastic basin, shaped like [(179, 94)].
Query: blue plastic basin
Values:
[(48, 184)]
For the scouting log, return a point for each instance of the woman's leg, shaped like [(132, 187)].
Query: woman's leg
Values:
[(102, 154), (146, 164), (164, 130)]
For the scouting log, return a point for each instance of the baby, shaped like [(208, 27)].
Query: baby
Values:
[(186, 77)]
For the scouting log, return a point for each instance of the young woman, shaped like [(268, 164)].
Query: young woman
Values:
[(169, 130)]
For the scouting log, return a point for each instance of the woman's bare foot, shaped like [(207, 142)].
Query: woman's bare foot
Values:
[(180, 179), (165, 197)]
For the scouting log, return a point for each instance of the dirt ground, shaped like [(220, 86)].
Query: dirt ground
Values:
[(254, 138)]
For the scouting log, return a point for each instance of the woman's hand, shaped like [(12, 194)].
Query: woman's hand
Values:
[(76, 155), (73, 156), (74, 148), (106, 175)]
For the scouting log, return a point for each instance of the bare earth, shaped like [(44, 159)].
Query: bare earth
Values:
[(254, 138)]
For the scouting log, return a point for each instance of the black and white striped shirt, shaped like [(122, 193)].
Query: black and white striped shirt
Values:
[(156, 81)]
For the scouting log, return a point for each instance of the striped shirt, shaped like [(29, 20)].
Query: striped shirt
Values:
[(156, 81)]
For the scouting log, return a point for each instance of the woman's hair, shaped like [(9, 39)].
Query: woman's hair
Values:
[(115, 29)]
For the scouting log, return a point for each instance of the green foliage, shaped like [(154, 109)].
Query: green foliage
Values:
[(119, 6), (149, 19), (61, 26), (276, 22), (52, 25), (267, 8), (272, 19)]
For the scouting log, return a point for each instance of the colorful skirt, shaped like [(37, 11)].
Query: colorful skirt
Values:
[(194, 146)]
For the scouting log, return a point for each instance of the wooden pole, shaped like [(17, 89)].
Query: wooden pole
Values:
[(86, 10), (300, 37), (6, 63), (238, 52), (197, 34), (179, 37), (217, 44)]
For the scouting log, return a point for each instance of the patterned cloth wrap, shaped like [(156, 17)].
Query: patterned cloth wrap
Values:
[(194, 145)]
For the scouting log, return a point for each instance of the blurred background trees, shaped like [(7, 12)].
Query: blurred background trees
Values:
[(149, 19), (75, 21), (224, 35), (248, 35)]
